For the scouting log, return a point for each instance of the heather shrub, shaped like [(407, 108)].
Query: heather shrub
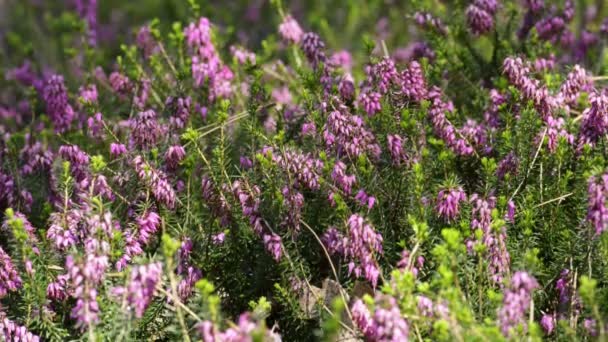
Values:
[(305, 170)]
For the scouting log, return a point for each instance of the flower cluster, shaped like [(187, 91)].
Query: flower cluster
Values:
[(141, 287), (516, 302)]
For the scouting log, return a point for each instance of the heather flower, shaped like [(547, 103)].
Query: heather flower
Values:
[(362, 317), (88, 94), (428, 21), (555, 131), (85, 276), (508, 165), (218, 238), (595, 120), (383, 75), (250, 204), (370, 102), (364, 199), (9, 277), (303, 167), (576, 81), (480, 15), (57, 290), (361, 242), (143, 93), (597, 213), (145, 41), (389, 324), (386, 323), (347, 134), (425, 306), (294, 203), (186, 285), (181, 110), (117, 149), (494, 239), (516, 302), (341, 59), (141, 286), (157, 181), (290, 30), (87, 9), (409, 264), (245, 163), (413, 84), (120, 83), (173, 156), (309, 129), (148, 225), (242, 55), (547, 322), (443, 127), (7, 190), (59, 110), (35, 157), (346, 88), (63, 230), (448, 202), (145, 129), (131, 248), (342, 180), (510, 214), (313, 48), (95, 125), (11, 331), (590, 326)]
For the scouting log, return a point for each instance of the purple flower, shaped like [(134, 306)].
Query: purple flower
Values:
[(386, 323), (57, 107), (597, 213), (173, 156), (145, 129), (120, 83), (117, 149), (428, 21), (63, 228), (364, 199), (242, 55), (290, 30), (347, 134), (11, 331), (448, 202), (342, 180), (9, 277), (145, 41), (141, 287), (157, 181), (595, 120), (480, 16), (313, 48), (547, 322), (248, 197), (308, 129), (186, 285), (494, 239), (370, 102), (303, 167), (346, 88), (516, 302), (395, 148), (413, 84), (508, 165), (181, 107), (148, 225), (88, 94), (85, 276), (361, 243), (443, 127)]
